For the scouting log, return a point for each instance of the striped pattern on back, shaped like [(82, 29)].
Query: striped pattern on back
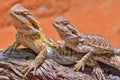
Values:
[(98, 41)]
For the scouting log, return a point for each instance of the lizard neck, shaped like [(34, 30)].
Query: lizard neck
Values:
[(46, 40)]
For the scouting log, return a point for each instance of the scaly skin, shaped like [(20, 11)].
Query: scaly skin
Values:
[(89, 44), (29, 35)]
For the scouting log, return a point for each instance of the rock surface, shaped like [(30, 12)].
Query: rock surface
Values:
[(12, 63)]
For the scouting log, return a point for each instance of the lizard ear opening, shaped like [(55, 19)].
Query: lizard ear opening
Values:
[(74, 32), (80, 39)]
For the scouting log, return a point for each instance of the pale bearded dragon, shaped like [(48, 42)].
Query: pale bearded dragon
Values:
[(92, 45)]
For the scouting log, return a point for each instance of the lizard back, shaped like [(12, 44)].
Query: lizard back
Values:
[(98, 41)]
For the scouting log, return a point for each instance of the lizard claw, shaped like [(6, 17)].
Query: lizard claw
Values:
[(35, 63), (9, 48), (27, 69), (79, 65), (99, 73)]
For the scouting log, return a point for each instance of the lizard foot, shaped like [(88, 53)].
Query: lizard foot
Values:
[(9, 48), (79, 65), (35, 63), (28, 68), (99, 73)]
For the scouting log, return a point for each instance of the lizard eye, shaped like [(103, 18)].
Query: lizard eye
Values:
[(24, 13), (65, 23)]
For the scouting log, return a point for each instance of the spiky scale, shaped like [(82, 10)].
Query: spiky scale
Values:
[(98, 42)]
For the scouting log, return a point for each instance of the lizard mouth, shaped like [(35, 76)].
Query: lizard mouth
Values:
[(25, 24), (26, 18)]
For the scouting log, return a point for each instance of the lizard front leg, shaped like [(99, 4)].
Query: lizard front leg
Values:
[(91, 62), (88, 51), (36, 62), (14, 46), (11, 48), (81, 63)]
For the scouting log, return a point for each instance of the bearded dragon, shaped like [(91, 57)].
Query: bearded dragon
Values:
[(88, 44)]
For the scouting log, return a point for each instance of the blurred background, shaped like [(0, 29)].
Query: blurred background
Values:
[(90, 16)]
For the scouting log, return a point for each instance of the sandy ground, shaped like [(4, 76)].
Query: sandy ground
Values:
[(90, 16)]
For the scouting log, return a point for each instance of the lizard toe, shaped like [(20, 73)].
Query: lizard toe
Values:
[(99, 73), (28, 69), (79, 65), (34, 71), (6, 49)]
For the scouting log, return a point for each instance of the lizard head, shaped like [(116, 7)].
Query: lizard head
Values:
[(66, 30), (63, 25), (24, 21)]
